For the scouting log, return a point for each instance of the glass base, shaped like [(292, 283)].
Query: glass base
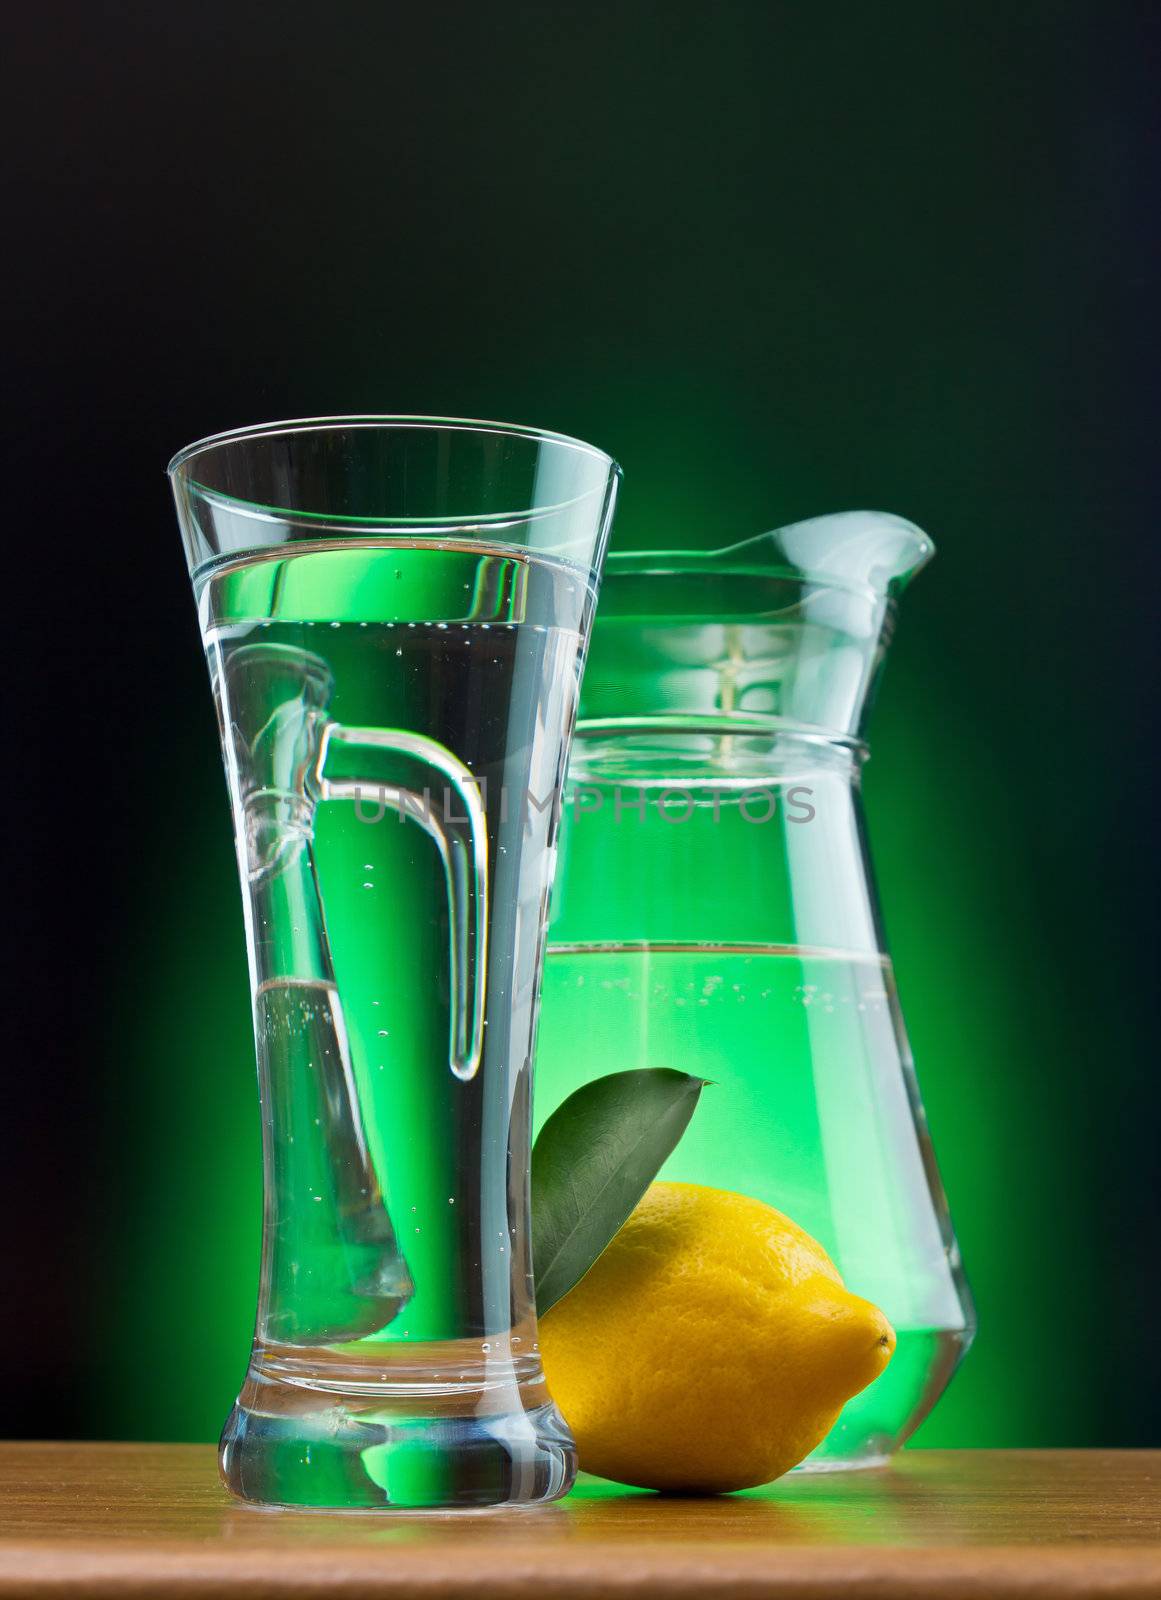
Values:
[(359, 1446)]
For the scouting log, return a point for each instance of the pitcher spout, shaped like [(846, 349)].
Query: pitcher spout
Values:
[(786, 630), (871, 550)]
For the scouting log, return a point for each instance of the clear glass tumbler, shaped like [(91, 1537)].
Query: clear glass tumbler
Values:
[(395, 613)]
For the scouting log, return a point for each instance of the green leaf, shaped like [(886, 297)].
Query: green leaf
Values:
[(596, 1155)]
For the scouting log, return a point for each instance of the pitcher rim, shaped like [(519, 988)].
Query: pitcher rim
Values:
[(764, 555)]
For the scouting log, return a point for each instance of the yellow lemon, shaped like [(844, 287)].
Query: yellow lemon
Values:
[(710, 1347)]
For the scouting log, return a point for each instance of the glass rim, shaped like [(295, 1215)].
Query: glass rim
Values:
[(177, 470)]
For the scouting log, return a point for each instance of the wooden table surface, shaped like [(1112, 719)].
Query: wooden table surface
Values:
[(126, 1520)]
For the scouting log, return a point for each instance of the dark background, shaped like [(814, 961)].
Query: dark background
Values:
[(779, 259)]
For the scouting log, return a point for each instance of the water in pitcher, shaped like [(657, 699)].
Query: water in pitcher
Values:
[(389, 1219), (812, 1108)]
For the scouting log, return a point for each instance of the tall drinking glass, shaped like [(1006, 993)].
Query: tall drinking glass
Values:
[(395, 612)]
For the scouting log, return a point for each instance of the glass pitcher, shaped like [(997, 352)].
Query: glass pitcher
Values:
[(714, 912), (395, 612)]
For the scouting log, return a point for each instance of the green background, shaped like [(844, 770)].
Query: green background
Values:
[(779, 260)]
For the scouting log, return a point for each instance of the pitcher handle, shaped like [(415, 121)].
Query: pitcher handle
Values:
[(462, 843)]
